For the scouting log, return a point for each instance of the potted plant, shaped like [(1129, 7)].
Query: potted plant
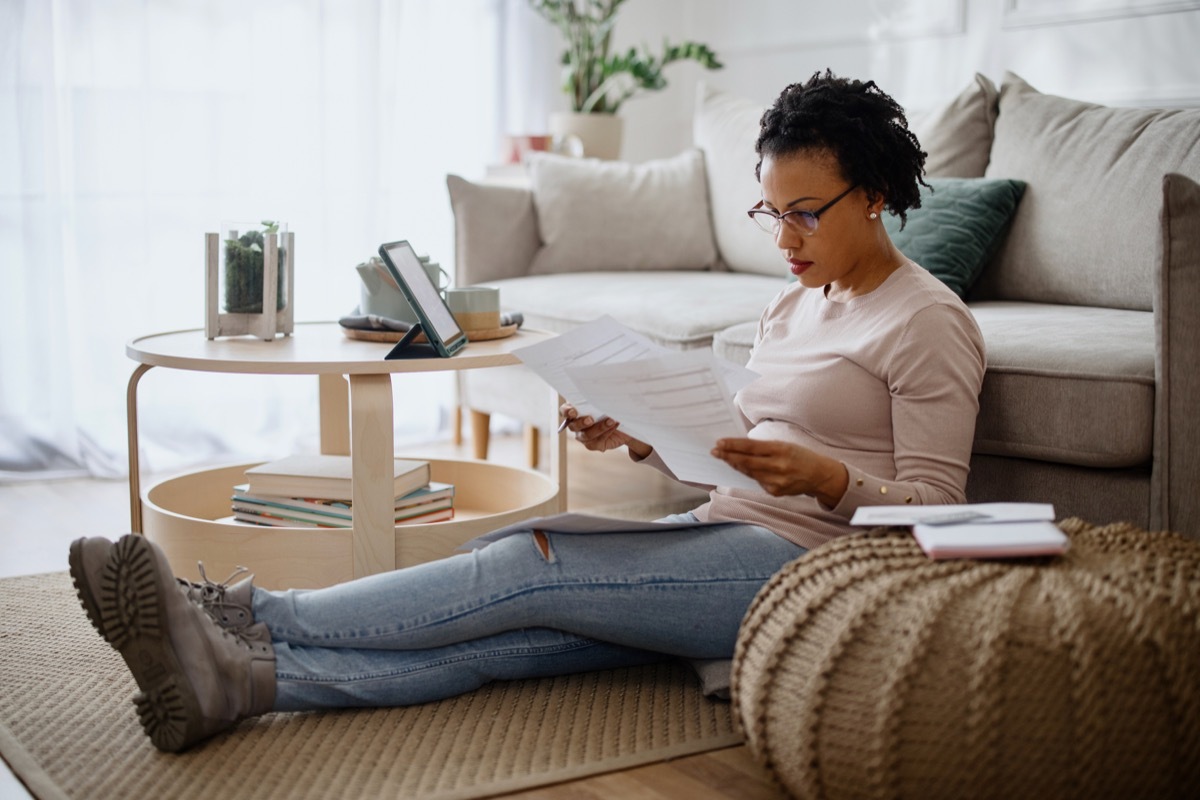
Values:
[(599, 81), (244, 267)]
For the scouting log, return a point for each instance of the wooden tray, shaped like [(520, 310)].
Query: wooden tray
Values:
[(394, 336)]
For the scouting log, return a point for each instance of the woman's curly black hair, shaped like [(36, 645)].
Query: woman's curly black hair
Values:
[(864, 129)]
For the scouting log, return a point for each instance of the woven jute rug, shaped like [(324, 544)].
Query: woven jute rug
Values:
[(68, 728)]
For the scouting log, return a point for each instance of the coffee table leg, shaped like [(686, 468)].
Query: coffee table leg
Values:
[(131, 430), (372, 452), (335, 415)]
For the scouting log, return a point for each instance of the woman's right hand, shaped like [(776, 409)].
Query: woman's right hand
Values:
[(601, 435)]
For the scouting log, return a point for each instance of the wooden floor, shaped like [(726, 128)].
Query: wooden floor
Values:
[(41, 519)]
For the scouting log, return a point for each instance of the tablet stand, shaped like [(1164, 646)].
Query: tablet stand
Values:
[(407, 348)]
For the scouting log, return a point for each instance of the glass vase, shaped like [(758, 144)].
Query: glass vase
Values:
[(241, 266)]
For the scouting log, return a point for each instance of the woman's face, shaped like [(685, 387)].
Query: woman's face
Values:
[(806, 181)]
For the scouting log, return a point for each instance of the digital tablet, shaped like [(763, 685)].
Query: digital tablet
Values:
[(440, 328)]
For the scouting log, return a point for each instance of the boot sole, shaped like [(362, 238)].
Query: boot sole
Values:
[(128, 610)]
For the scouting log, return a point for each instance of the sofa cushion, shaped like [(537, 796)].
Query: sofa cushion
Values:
[(726, 127), (1086, 232), (495, 230), (609, 215), (1045, 364), (1069, 384), (957, 137), (958, 226), (734, 343), (678, 310)]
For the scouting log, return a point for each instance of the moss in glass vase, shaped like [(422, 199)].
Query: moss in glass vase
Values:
[(243, 270)]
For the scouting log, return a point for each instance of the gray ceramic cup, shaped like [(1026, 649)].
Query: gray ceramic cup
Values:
[(477, 308)]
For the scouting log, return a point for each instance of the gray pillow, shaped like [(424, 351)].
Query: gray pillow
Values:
[(495, 231), (958, 226), (1087, 230), (958, 135)]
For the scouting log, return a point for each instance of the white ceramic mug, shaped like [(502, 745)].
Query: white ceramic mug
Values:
[(477, 308)]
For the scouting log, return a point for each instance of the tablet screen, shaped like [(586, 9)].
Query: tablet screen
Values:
[(433, 308)]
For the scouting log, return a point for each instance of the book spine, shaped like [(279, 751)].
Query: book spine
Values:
[(340, 508), (424, 519), (274, 511), (293, 517), (279, 522)]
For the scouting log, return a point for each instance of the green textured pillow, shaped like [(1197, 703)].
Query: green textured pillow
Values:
[(958, 226)]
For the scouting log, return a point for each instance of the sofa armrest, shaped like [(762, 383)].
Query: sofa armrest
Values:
[(495, 231), (1175, 499)]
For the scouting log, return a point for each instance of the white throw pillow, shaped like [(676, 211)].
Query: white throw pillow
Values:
[(598, 215), (726, 127)]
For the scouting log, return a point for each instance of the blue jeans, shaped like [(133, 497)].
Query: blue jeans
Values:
[(530, 605)]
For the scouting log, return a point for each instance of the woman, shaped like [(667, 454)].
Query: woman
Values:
[(870, 369)]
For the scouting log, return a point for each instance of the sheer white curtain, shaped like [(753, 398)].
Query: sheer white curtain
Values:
[(129, 128)]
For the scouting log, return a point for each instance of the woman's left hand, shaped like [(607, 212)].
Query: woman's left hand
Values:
[(782, 468)]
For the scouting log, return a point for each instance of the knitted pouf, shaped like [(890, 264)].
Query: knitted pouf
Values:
[(864, 669)]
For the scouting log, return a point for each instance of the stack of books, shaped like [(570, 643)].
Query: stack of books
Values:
[(314, 491)]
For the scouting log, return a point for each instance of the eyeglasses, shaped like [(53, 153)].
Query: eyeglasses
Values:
[(804, 222)]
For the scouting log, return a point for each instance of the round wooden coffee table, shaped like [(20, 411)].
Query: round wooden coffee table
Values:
[(188, 515)]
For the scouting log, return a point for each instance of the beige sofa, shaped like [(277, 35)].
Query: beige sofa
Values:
[(1088, 296)]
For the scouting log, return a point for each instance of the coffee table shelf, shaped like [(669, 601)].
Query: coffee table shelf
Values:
[(184, 515)]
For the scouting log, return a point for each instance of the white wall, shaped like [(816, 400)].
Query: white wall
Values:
[(1117, 52)]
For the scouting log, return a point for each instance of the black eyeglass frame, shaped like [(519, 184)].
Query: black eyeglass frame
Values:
[(807, 229)]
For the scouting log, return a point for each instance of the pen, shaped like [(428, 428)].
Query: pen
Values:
[(562, 425)]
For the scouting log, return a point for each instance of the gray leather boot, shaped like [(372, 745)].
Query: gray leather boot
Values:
[(196, 677)]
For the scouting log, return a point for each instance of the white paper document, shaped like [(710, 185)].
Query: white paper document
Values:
[(991, 540), (578, 523), (965, 513), (602, 341), (679, 404)]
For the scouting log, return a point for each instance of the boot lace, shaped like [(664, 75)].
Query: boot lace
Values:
[(210, 596)]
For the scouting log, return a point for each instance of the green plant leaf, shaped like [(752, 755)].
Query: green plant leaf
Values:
[(595, 81)]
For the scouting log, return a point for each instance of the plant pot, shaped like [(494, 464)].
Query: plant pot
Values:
[(600, 134)]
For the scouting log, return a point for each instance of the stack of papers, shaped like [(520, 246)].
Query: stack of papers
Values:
[(979, 530), (679, 403)]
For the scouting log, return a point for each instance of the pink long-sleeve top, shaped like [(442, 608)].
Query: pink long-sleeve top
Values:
[(887, 383)]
